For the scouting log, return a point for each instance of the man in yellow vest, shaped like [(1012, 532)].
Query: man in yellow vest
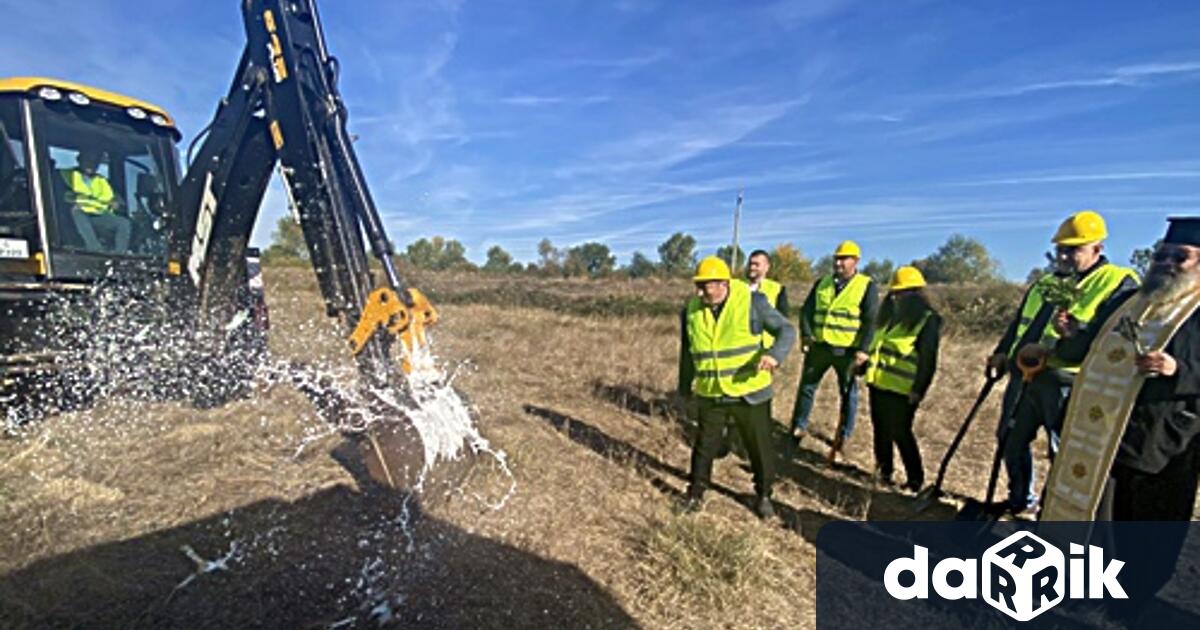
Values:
[(1153, 476), (94, 204), (837, 325), (1082, 268), (758, 266), (722, 363)]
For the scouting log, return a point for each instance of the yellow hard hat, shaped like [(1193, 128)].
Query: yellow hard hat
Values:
[(1081, 228), (907, 278), (711, 268), (847, 248)]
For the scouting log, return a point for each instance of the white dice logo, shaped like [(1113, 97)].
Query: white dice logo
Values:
[(1023, 576)]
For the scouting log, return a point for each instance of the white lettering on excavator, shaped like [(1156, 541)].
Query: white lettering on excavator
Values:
[(204, 225)]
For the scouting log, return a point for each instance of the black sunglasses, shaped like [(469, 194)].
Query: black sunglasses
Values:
[(1177, 255)]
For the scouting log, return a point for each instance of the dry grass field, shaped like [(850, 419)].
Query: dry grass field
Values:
[(153, 514)]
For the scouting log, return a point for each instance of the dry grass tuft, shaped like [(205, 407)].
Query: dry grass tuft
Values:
[(693, 560)]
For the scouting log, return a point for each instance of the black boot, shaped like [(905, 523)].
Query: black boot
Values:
[(691, 502), (763, 508)]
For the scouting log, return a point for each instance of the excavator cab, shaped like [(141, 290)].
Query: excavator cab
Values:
[(87, 182)]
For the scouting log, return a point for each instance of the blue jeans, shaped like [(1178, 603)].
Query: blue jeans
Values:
[(817, 361), (1041, 405)]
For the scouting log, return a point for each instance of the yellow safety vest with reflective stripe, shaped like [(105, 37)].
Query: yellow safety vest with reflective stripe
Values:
[(723, 349), (770, 289), (93, 197), (894, 358), (1094, 288), (838, 316)]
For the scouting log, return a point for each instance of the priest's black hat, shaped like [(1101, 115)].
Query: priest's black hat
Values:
[(1183, 231)]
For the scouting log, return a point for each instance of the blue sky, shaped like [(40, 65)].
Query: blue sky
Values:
[(893, 123)]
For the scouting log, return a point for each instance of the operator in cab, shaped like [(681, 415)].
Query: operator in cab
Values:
[(94, 204)]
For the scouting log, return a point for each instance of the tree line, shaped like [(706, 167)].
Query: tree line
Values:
[(959, 259)]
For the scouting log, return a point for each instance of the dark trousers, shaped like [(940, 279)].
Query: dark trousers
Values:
[(892, 421), (817, 361), (1168, 495), (753, 424), (1041, 405)]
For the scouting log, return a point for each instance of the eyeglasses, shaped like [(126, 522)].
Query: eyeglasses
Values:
[(1177, 255), (1066, 250)]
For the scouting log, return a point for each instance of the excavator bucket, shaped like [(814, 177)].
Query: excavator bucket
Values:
[(394, 455), (394, 450)]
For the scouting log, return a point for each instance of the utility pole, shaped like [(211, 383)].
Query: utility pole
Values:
[(737, 219)]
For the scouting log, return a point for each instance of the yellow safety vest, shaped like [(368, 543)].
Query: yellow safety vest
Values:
[(894, 357), (1095, 288), (838, 316), (770, 289), (723, 349), (94, 197)]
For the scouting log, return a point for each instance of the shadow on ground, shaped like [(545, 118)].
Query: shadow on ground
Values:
[(847, 490), (309, 563)]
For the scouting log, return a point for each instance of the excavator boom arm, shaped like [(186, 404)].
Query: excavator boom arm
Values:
[(283, 110)]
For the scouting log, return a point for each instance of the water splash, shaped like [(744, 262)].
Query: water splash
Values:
[(126, 349)]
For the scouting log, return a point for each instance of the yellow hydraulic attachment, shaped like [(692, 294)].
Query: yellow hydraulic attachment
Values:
[(385, 309)]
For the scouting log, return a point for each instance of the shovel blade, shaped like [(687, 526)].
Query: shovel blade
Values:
[(926, 498), (980, 511)]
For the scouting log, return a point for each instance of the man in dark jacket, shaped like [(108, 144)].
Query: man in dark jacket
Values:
[(837, 325), (723, 364), (1080, 265)]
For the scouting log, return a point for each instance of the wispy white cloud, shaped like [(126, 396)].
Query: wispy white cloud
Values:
[(867, 117), (1132, 75), (530, 100), (939, 127), (657, 147), (612, 67), (794, 13), (1085, 177), (601, 199)]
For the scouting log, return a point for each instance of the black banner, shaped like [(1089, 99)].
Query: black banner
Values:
[(932, 575)]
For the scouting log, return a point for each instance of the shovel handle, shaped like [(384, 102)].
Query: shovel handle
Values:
[(993, 376)]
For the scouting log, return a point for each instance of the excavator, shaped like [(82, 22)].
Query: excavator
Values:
[(160, 252)]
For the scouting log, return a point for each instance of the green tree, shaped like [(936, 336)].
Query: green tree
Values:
[(678, 254), (960, 259), (788, 264), (436, 253), (589, 259), (287, 242), (725, 252), (880, 270), (1142, 257), (498, 260), (640, 266), (549, 257), (823, 265)]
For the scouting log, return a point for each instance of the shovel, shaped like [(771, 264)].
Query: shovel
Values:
[(974, 510), (930, 495)]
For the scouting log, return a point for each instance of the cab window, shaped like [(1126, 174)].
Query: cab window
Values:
[(105, 182), (18, 222)]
